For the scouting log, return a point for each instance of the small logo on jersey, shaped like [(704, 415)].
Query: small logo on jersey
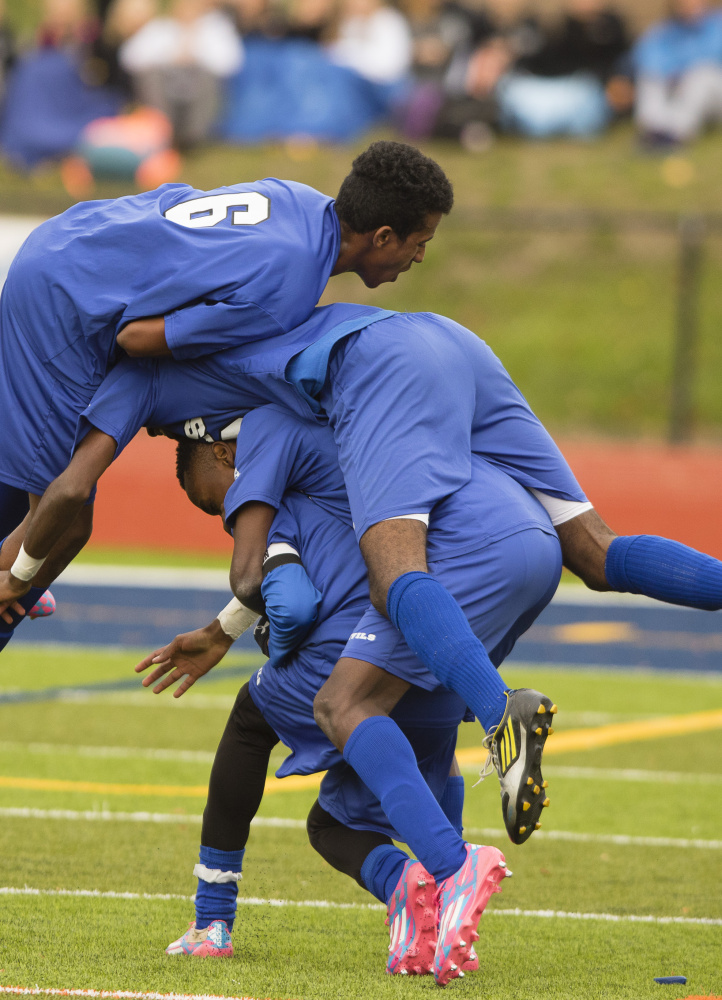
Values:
[(236, 474), (258, 675), (369, 636)]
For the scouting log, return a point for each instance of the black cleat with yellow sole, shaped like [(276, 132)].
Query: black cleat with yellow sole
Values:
[(516, 746)]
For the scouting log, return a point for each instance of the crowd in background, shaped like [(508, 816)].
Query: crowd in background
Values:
[(136, 75)]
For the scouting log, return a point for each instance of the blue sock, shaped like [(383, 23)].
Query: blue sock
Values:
[(383, 758), (382, 870), (436, 629), (7, 631), (665, 570), (217, 900), (452, 801)]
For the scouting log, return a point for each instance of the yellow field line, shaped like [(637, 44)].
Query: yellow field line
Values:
[(295, 782), (563, 742), (615, 733)]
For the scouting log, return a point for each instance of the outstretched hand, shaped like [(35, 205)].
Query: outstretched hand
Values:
[(188, 657), (10, 590)]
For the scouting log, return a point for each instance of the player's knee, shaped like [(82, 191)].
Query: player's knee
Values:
[(323, 712), (378, 592)]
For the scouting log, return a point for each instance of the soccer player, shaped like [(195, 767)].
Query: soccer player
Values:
[(185, 273), (410, 398), (503, 574)]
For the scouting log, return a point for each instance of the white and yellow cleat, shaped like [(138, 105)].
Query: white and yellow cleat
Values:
[(516, 746)]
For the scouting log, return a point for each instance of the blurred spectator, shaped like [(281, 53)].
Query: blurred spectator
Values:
[(54, 91), (310, 19), (7, 49), (566, 78), (66, 24), (679, 74), (129, 147), (374, 40), (121, 19), (446, 38), (178, 62), (255, 18)]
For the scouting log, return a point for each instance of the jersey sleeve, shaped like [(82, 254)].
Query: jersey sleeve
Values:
[(266, 456), (208, 327), (123, 403)]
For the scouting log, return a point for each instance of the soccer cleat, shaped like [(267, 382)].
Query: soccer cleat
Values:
[(462, 899), (44, 606), (515, 747), (213, 941), (472, 962), (413, 920)]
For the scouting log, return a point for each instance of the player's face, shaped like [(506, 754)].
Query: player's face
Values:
[(389, 256), (206, 488)]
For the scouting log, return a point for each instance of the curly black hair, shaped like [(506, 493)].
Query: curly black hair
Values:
[(393, 184), (187, 450)]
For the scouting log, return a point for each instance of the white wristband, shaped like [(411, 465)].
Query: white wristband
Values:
[(235, 619), (25, 567)]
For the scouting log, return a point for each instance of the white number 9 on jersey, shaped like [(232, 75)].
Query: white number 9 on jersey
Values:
[(249, 208)]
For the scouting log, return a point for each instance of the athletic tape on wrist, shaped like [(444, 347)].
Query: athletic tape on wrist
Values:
[(25, 567), (235, 618)]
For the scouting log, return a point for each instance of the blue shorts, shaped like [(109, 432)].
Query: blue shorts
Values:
[(501, 588), (40, 413), (284, 696), (410, 398)]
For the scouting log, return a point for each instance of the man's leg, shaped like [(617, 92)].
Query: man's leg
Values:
[(429, 618), (640, 564), (235, 791), (353, 709)]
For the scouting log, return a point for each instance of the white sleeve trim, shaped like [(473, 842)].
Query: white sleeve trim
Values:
[(216, 874), (424, 518), (561, 511), (279, 549)]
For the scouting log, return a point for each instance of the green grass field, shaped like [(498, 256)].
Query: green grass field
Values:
[(131, 752)]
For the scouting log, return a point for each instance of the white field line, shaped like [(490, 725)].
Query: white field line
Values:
[(324, 904), (114, 994), (106, 816), (122, 753), (207, 757), (634, 774), (155, 577), (492, 833), (141, 699), (618, 839)]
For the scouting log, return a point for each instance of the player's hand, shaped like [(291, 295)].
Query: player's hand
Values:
[(187, 658), (10, 590)]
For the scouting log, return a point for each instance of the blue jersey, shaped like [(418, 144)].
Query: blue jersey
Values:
[(201, 399), (278, 451), (233, 265)]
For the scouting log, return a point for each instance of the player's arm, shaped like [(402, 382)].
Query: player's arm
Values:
[(192, 654), (144, 338), (58, 508)]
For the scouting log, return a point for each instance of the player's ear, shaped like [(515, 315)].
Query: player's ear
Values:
[(382, 236), (224, 453)]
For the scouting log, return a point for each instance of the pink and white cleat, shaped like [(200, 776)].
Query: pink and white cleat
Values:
[(462, 899), (43, 607), (213, 941), (413, 920)]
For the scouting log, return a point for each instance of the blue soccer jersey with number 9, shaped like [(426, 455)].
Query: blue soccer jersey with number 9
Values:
[(229, 266)]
